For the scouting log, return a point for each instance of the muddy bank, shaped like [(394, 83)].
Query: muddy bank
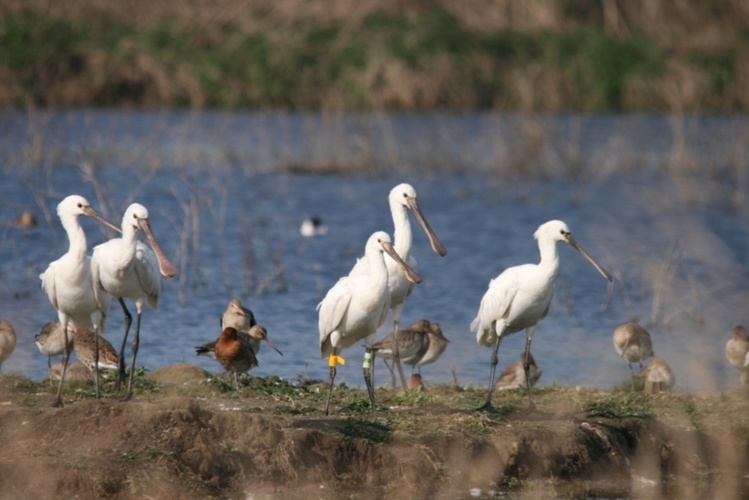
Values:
[(190, 437)]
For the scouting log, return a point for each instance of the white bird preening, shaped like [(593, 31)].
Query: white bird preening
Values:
[(632, 342), (67, 281), (126, 268), (520, 297), (356, 306), (401, 199)]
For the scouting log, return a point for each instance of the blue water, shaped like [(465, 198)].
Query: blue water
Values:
[(668, 220)]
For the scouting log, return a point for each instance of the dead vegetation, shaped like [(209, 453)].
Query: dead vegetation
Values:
[(186, 436)]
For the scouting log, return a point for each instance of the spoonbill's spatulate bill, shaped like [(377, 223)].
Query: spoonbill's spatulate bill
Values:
[(128, 269), (520, 296), (67, 281), (356, 306), (402, 198)]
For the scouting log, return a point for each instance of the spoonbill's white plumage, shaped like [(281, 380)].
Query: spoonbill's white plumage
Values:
[(313, 226), (67, 281), (401, 199), (356, 306), (7, 341), (520, 297), (127, 268), (632, 342)]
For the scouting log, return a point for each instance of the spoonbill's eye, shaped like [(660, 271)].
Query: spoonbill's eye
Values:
[(80, 205)]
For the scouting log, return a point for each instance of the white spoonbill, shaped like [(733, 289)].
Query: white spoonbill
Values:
[(356, 306), (520, 297), (402, 198), (126, 268), (67, 281)]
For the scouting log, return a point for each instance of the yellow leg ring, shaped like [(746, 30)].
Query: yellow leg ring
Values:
[(334, 359)]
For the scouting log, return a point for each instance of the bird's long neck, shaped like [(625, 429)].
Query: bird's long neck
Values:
[(549, 257), (76, 237), (378, 271), (402, 235), (129, 243)]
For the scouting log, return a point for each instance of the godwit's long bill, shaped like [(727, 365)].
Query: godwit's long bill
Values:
[(356, 306), (401, 199), (520, 297), (67, 281), (126, 268)]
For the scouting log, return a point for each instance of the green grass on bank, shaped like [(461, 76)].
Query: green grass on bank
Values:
[(423, 60)]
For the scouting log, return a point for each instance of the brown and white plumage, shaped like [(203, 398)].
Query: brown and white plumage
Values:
[(420, 343), (513, 377), (658, 376), (7, 341), (51, 342), (235, 353), (737, 348), (85, 345), (252, 338), (243, 320), (632, 342)]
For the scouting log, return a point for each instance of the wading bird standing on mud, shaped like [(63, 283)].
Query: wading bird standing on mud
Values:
[(67, 281), (86, 344), (7, 340), (737, 349), (420, 343), (242, 319), (233, 350), (356, 306), (126, 268), (402, 198), (519, 298), (632, 342), (51, 342)]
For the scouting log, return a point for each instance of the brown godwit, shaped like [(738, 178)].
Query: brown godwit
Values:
[(234, 352), (632, 342), (658, 376), (7, 341), (51, 341), (85, 345), (737, 348), (513, 376)]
